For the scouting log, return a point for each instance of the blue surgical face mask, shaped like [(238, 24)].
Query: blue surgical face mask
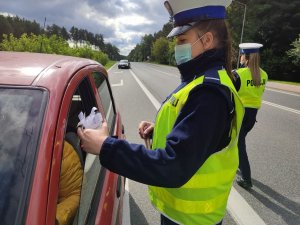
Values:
[(183, 53)]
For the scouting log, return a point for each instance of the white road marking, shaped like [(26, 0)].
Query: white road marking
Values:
[(169, 74), (118, 85), (126, 206), (90, 158), (147, 92), (237, 205), (283, 92), (111, 67), (282, 107), (241, 211)]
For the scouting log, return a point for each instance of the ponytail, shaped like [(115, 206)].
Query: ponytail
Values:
[(254, 66)]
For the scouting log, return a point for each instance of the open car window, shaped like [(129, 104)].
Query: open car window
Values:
[(89, 169), (106, 99)]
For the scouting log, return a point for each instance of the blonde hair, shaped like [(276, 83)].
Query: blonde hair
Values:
[(221, 33), (254, 66)]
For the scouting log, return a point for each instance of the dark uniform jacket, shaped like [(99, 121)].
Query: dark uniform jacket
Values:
[(202, 128)]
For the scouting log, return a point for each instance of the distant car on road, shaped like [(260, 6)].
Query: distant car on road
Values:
[(40, 99), (124, 64)]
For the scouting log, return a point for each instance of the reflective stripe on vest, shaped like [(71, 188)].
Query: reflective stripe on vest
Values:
[(202, 200), (251, 95)]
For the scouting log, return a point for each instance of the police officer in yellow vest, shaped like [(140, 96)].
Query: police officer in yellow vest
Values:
[(194, 156), (250, 83)]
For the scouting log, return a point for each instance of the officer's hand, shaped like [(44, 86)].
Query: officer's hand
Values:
[(145, 129), (92, 139)]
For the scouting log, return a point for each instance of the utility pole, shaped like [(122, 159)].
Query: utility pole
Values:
[(242, 33), (42, 35)]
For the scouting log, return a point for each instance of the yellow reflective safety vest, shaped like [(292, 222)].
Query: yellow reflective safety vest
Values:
[(251, 95), (202, 200)]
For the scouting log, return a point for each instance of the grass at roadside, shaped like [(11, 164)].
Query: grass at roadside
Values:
[(109, 64)]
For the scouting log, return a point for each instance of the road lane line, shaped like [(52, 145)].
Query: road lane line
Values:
[(148, 93), (283, 92), (237, 206), (111, 67), (169, 74), (89, 160), (282, 107), (126, 206), (119, 84), (241, 211)]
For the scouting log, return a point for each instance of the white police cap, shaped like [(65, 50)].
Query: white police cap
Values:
[(248, 48), (187, 12)]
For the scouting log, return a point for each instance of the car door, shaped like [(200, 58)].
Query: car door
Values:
[(100, 194)]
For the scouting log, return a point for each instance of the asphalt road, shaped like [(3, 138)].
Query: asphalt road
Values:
[(273, 148)]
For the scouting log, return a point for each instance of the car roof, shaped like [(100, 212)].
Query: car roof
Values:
[(37, 69)]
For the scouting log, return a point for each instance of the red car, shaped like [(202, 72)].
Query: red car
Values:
[(40, 98)]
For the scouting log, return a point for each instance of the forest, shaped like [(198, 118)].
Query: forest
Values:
[(275, 24), (18, 34)]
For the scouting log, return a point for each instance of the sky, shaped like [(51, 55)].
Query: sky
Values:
[(121, 22)]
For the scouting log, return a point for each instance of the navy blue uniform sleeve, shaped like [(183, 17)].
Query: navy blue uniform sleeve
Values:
[(200, 130), (237, 80)]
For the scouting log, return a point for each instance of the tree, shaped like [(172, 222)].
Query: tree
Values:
[(172, 52), (112, 51), (64, 33), (165, 30), (5, 27), (74, 34), (160, 50), (53, 30), (99, 41), (146, 45), (275, 25), (294, 53)]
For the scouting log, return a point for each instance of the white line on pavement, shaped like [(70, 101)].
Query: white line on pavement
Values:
[(126, 207), (169, 74), (241, 211), (90, 158), (283, 92), (111, 67), (118, 85), (148, 93), (237, 205), (282, 107)]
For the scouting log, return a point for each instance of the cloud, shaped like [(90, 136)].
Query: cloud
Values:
[(122, 22)]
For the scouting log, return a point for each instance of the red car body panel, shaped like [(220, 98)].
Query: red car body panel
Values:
[(60, 76)]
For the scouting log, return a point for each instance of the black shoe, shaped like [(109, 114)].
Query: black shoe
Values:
[(244, 183)]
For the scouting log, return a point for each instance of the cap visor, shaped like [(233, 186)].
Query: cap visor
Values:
[(180, 30)]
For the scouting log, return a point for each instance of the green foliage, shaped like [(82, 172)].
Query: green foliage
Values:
[(160, 50), (275, 24), (18, 27), (109, 64), (294, 53), (172, 52), (50, 45), (136, 54), (143, 50)]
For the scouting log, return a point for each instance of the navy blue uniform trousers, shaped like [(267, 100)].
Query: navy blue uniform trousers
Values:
[(247, 125)]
